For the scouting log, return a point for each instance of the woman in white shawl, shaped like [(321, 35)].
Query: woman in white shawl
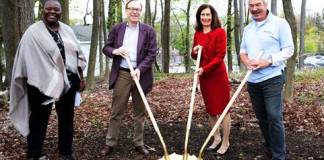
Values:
[(47, 69)]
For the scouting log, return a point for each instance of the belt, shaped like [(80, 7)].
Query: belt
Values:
[(125, 69)]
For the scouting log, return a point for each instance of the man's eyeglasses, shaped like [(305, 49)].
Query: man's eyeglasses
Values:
[(135, 9)]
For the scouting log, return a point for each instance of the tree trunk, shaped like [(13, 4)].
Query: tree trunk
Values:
[(147, 15), (104, 30), (94, 45), (242, 12), (101, 69), (86, 14), (111, 21), (302, 34), (289, 15), (65, 11), (274, 7), (187, 42), (162, 19), (40, 9), (229, 37), (154, 14), (10, 33), (26, 16), (119, 11), (166, 37), (237, 33), (1, 56), (156, 65)]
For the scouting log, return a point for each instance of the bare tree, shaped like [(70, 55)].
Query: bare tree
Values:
[(237, 30), (86, 14), (111, 21), (1, 55), (187, 41), (93, 46), (119, 11), (229, 37), (147, 16), (40, 9), (162, 19), (289, 15), (242, 12), (302, 34), (154, 14), (26, 16), (274, 7), (16, 16), (156, 66), (65, 11), (101, 63), (166, 37)]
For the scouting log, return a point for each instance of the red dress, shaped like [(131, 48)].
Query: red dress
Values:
[(214, 84)]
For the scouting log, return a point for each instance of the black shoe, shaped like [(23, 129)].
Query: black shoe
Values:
[(67, 157), (220, 154), (107, 150), (42, 157), (142, 149), (210, 149)]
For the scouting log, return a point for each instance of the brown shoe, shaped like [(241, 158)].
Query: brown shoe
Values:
[(142, 150), (107, 150)]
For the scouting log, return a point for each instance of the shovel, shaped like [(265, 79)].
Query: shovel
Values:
[(186, 156), (192, 101), (229, 105), (148, 109)]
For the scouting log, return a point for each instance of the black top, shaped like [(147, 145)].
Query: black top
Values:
[(58, 39)]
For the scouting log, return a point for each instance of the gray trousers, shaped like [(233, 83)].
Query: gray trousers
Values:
[(123, 88)]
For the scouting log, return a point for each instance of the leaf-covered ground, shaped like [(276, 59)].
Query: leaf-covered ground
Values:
[(169, 100)]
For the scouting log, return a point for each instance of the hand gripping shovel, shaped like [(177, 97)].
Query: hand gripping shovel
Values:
[(229, 105), (148, 109)]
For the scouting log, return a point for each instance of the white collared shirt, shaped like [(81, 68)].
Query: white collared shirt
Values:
[(130, 43)]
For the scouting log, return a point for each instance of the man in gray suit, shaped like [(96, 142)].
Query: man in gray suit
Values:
[(137, 41)]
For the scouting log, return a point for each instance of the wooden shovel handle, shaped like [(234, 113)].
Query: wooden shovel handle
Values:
[(192, 102), (229, 105), (148, 109)]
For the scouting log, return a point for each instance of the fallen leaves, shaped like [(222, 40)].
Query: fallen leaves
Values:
[(169, 101)]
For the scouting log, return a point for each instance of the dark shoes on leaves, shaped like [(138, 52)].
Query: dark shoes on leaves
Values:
[(107, 150), (67, 157), (142, 150)]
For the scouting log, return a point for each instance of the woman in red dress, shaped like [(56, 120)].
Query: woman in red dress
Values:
[(214, 84)]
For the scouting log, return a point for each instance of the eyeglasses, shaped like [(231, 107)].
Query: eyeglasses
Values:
[(135, 9)]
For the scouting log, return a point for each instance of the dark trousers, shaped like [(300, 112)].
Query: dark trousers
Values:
[(267, 100), (38, 121)]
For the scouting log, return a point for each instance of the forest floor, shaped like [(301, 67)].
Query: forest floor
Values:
[(169, 101)]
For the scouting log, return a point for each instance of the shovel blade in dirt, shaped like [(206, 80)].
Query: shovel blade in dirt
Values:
[(175, 156)]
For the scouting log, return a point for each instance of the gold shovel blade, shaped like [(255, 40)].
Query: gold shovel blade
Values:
[(175, 156)]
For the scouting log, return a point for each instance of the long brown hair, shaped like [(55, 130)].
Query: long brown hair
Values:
[(215, 20)]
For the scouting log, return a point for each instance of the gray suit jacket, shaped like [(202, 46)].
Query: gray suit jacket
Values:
[(146, 53)]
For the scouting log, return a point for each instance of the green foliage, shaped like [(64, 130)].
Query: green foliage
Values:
[(314, 74), (74, 21), (309, 86), (311, 38), (161, 76), (314, 34)]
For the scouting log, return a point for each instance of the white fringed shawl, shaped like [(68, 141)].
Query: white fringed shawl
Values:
[(39, 63)]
